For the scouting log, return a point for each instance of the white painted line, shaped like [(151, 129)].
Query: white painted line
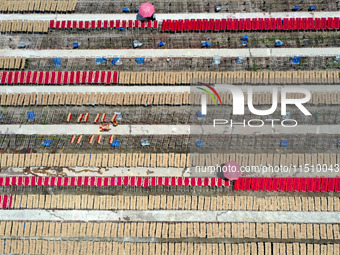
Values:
[(169, 216)]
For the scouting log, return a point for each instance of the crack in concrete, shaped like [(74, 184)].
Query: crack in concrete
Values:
[(55, 215), (184, 171), (202, 129), (219, 214)]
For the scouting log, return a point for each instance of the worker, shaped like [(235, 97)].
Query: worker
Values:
[(115, 123)]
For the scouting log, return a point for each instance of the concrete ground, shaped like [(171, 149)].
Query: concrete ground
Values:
[(162, 16), (104, 172), (159, 171), (176, 53), (170, 216), (90, 129), (94, 129)]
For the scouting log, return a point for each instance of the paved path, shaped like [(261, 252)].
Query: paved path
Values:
[(104, 172), (170, 216), (94, 129), (74, 129), (144, 89), (159, 171), (159, 16), (175, 53)]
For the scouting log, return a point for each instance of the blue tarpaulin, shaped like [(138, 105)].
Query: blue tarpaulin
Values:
[(199, 143), (161, 43), (284, 143), (47, 143), (30, 115), (114, 61), (57, 62), (100, 60), (140, 61), (144, 142), (200, 115), (75, 45), (296, 60), (296, 8), (206, 44), (126, 9), (244, 40), (312, 7), (239, 60), (278, 43), (115, 143)]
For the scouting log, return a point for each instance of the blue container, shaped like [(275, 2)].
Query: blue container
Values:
[(200, 115), (114, 61), (126, 10), (100, 60), (284, 143), (278, 43), (199, 143), (244, 43), (57, 62), (206, 44), (30, 115), (312, 8), (296, 8), (296, 60), (115, 143), (47, 143), (239, 60), (140, 61)]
